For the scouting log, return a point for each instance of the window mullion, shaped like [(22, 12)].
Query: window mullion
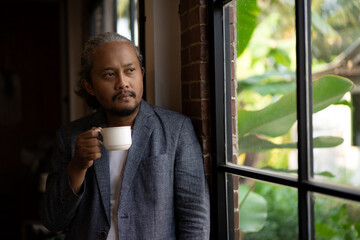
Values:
[(304, 116), (219, 199)]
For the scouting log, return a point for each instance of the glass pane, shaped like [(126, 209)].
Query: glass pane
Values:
[(336, 51), (264, 84), (263, 210), (336, 218), (127, 22)]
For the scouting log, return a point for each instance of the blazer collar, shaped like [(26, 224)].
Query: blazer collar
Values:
[(142, 129)]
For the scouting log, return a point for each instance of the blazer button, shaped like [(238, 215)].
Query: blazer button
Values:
[(103, 235)]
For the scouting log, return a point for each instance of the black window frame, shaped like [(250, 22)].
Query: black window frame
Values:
[(222, 219)]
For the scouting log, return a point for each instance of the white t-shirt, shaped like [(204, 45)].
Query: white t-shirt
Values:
[(117, 161)]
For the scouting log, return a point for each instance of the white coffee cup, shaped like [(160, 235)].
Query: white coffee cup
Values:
[(116, 138)]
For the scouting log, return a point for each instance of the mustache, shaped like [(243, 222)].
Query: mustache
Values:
[(124, 92)]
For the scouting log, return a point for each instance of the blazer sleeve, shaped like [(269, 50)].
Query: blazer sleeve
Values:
[(191, 190), (59, 203)]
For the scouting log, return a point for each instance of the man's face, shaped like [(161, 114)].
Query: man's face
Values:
[(116, 78)]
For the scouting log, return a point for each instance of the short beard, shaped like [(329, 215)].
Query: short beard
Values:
[(127, 111), (123, 112)]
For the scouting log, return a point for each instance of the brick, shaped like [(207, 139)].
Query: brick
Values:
[(197, 109), (184, 6), (232, 33), (185, 91), (193, 17), (205, 145), (236, 220), (233, 67), (204, 71), (195, 72), (233, 88), (233, 108), (203, 15), (207, 163), (232, 10), (199, 90), (185, 58), (198, 52), (202, 126), (184, 22), (185, 39), (235, 185), (198, 34)]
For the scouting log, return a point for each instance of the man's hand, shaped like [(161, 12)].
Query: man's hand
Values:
[(87, 149)]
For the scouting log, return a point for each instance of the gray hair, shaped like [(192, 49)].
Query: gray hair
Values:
[(87, 61)]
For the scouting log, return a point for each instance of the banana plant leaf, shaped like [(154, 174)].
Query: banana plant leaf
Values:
[(254, 143), (252, 210), (283, 170), (276, 119), (246, 22), (273, 88)]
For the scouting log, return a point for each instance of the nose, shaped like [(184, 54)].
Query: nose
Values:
[(121, 82)]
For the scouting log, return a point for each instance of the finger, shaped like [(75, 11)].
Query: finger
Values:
[(92, 133), (93, 149), (93, 156), (88, 142), (86, 156)]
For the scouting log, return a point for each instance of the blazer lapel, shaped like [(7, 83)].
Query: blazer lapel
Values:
[(140, 137), (101, 167)]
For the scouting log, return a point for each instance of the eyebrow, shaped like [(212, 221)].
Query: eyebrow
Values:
[(124, 66)]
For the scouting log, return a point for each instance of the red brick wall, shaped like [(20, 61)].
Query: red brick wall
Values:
[(233, 55), (195, 72), (195, 81)]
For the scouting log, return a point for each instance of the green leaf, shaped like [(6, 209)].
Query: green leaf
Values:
[(284, 79), (357, 228), (324, 231), (276, 119), (283, 170), (246, 21), (273, 88), (255, 143), (280, 56), (344, 102), (253, 210)]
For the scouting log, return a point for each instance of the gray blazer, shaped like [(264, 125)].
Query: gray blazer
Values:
[(164, 194)]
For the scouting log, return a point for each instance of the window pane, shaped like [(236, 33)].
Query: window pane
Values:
[(336, 51), (264, 87), (336, 218), (263, 210), (127, 24)]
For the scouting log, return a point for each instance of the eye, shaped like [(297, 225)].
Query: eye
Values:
[(109, 74), (130, 70)]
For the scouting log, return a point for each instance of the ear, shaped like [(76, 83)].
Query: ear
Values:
[(143, 71), (87, 86)]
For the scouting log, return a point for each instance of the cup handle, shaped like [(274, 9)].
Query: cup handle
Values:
[(99, 131)]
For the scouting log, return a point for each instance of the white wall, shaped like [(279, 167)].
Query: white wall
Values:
[(163, 62)]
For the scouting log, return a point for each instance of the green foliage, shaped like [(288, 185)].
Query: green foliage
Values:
[(246, 18), (336, 219), (277, 118), (282, 213), (269, 57), (252, 210), (256, 143)]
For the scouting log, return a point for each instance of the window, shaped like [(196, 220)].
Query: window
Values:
[(285, 90), (127, 19)]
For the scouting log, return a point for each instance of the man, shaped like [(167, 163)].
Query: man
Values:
[(154, 190)]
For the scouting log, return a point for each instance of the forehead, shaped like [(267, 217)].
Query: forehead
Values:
[(115, 50)]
